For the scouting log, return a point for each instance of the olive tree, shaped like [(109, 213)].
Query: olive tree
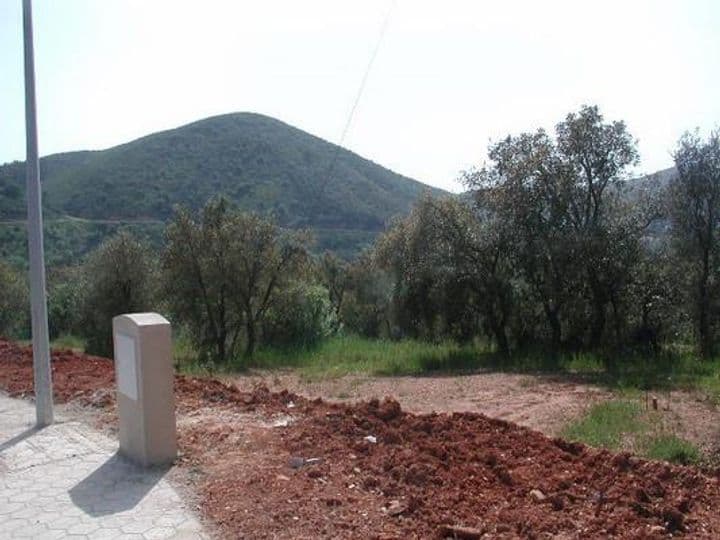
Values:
[(695, 213), (222, 270), (450, 265), (598, 154), (117, 278), (528, 189), (333, 273), (559, 199), (368, 300)]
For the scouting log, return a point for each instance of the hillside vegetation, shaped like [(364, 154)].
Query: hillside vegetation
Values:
[(259, 163), (548, 253)]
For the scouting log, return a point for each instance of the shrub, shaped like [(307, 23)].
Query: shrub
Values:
[(65, 296), (222, 271), (118, 278), (301, 316), (14, 303)]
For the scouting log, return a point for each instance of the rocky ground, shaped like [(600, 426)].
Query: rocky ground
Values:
[(273, 464)]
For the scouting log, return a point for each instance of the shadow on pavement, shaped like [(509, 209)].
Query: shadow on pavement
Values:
[(20, 437), (116, 486)]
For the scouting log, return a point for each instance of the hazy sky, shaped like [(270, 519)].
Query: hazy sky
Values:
[(449, 76)]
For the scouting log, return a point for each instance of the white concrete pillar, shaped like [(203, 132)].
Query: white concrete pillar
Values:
[(145, 388)]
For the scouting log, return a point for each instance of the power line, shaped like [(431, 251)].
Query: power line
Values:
[(361, 89)]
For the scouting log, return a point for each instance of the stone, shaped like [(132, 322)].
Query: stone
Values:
[(395, 508)]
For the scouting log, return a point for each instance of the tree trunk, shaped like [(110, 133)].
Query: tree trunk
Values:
[(250, 331), (598, 323), (498, 330), (555, 327), (617, 321), (502, 340), (220, 344), (599, 303), (704, 333)]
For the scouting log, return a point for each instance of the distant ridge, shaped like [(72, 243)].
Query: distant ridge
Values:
[(259, 162)]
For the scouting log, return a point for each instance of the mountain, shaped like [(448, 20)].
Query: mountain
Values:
[(650, 183), (649, 187), (260, 163)]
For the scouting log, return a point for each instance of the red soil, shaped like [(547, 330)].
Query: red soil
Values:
[(385, 473), (76, 377)]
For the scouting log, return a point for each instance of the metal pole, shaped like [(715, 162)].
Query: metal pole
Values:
[(41, 346)]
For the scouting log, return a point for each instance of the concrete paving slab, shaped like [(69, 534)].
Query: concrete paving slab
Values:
[(67, 481)]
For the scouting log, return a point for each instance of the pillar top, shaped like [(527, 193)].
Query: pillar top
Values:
[(144, 319)]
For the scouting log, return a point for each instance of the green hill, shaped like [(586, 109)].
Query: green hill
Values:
[(260, 163)]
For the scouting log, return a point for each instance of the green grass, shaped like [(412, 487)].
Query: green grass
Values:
[(349, 354), (69, 342), (672, 448), (62, 342), (606, 424), (624, 425), (342, 355), (674, 369)]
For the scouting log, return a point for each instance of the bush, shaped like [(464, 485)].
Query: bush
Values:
[(367, 308), (14, 303), (301, 316), (65, 296), (222, 271), (118, 278)]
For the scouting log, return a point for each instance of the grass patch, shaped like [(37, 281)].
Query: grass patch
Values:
[(186, 357), (350, 354), (673, 449), (69, 342), (606, 424), (624, 425), (343, 355)]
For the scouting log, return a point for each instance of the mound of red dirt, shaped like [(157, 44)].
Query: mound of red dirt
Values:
[(371, 470), (90, 380), (497, 478), (81, 377)]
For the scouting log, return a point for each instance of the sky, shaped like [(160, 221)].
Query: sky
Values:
[(448, 78)]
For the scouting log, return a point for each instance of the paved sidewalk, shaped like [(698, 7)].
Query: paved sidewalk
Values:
[(66, 481)]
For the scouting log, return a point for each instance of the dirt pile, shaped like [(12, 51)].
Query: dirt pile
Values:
[(275, 465), (383, 473), (192, 393), (90, 380), (87, 379)]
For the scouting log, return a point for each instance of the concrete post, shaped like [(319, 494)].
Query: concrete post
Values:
[(38, 300), (145, 389)]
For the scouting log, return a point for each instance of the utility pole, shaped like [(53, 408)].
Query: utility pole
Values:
[(40, 341)]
